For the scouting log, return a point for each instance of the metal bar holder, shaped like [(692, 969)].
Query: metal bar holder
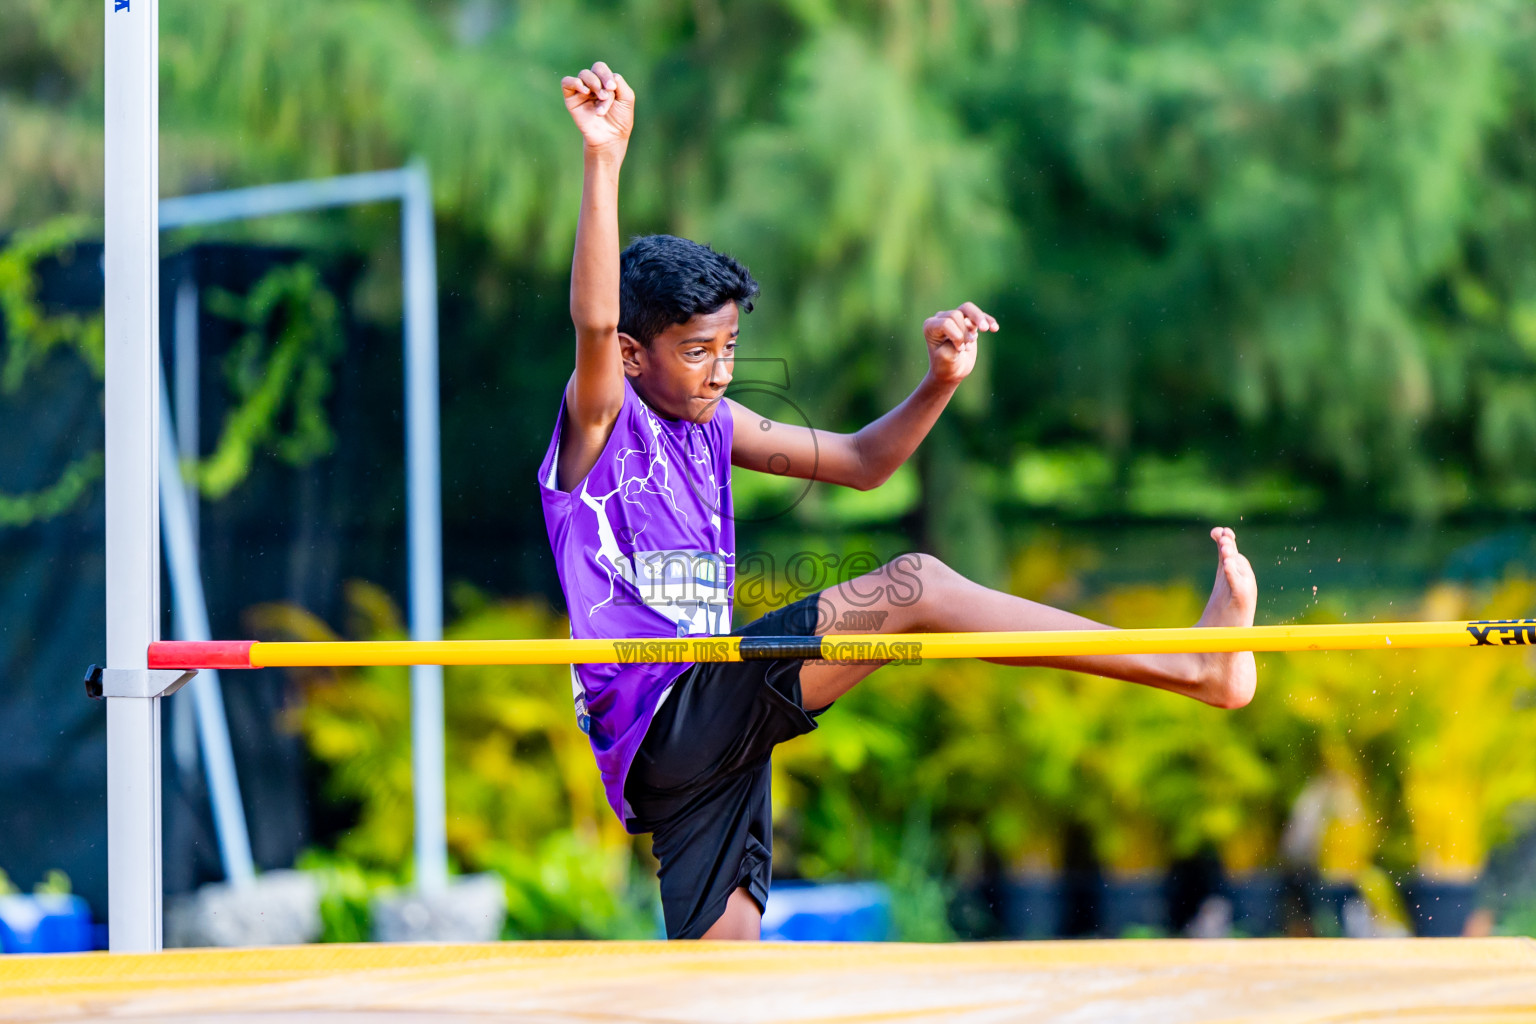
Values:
[(144, 683)]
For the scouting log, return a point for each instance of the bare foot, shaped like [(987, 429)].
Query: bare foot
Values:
[(1228, 680)]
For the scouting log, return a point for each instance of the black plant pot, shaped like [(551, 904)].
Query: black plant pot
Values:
[(1440, 909), (1255, 902), (1135, 902), (1033, 906)]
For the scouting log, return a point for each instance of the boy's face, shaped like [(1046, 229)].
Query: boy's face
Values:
[(682, 374)]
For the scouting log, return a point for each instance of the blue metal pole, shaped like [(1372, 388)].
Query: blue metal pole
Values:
[(412, 188), (424, 525), (288, 197)]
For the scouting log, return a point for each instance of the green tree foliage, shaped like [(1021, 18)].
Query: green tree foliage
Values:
[(1295, 237), (1305, 227)]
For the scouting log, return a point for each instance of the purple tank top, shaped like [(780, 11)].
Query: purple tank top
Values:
[(645, 547)]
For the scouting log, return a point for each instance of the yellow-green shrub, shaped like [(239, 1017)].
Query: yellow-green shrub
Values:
[(1412, 759), (1006, 757), (523, 793), (1436, 747)]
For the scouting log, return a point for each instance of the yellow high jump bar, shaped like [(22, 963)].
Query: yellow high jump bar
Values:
[(901, 648)]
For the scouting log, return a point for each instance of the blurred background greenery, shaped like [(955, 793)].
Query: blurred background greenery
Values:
[(1268, 265)]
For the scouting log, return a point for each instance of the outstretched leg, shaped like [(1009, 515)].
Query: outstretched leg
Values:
[(918, 593)]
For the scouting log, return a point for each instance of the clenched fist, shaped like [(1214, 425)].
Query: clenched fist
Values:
[(603, 106), (951, 335)]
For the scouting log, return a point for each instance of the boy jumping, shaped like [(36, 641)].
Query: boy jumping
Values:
[(636, 488)]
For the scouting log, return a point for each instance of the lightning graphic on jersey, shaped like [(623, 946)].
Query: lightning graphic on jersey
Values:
[(608, 542), (654, 576), (699, 456)]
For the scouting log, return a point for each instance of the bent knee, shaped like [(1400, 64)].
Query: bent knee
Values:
[(915, 578), (921, 564), (902, 587)]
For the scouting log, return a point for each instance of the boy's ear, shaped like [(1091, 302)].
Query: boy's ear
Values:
[(630, 353)]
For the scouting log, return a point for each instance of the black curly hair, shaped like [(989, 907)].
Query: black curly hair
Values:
[(666, 280)]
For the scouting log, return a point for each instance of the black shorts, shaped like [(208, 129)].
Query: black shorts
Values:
[(700, 780)]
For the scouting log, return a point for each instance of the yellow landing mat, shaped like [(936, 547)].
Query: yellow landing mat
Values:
[(1423, 981)]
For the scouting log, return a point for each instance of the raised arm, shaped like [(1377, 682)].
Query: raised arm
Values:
[(868, 457), (603, 106)]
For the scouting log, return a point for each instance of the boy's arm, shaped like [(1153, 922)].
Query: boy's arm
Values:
[(867, 458), (602, 104)]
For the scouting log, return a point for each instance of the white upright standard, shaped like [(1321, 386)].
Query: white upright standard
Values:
[(133, 396), (132, 268)]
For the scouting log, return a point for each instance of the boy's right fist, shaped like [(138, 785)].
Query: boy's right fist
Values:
[(603, 106)]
